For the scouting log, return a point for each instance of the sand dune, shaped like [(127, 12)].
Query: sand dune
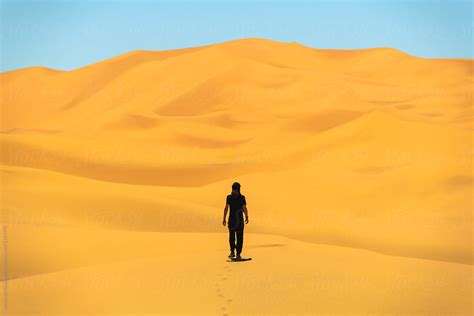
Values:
[(121, 168), (305, 279)]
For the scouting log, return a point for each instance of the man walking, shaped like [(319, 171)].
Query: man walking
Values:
[(237, 204)]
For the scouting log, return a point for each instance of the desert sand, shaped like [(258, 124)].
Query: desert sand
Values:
[(356, 166)]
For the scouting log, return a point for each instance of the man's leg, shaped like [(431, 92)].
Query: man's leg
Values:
[(232, 240), (240, 239)]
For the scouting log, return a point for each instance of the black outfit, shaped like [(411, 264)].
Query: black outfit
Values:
[(236, 221)]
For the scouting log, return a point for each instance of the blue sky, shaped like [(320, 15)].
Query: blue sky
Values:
[(70, 34)]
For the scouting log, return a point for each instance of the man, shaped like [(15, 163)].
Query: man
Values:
[(237, 204)]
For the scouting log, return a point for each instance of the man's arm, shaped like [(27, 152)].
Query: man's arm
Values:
[(246, 214), (225, 214)]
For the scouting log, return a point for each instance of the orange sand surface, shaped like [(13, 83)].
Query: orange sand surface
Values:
[(356, 166)]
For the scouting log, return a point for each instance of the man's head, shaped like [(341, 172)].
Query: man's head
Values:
[(236, 187)]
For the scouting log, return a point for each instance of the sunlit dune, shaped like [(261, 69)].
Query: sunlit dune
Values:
[(356, 166)]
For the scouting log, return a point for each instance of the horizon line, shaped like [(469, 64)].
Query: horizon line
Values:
[(230, 41)]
